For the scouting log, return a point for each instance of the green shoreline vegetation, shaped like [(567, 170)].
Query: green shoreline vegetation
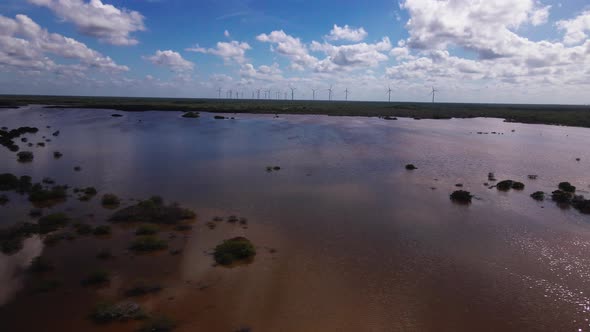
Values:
[(567, 115)]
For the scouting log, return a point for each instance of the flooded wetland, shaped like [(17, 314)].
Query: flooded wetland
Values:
[(326, 227)]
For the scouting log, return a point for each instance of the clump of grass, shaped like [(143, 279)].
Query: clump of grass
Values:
[(504, 185), (53, 239), (102, 230), (57, 154), (39, 195), (153, 210), (11, 238), (104, 254), (110, 200), (517, 185), (411, 167), (561, 196), (45, 286), (191, 115), (142, 288), (84, 229), (538, 196), (232, 250), (111, 312), (148, 229), (148, 243), (25, 156), (48, 180), (567, 187), (52, 222), (183, 227), (98, 277), (461, 196), (77, 168), (35, 213), (232, 219), (40, 265), (159, 324), (581, 204), (87, 193), (217, 218), (4, 199)]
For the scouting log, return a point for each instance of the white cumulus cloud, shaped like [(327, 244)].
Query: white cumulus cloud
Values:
[(172, 60), (347, 33), (106, 22)]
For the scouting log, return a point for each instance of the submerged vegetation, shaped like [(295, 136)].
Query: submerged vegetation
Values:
[(110, 200), (234, 250), (461, 196), (153, 210), (122, 311), (510, 184), (148, 243), (98, 277), (25, 156), (158, 324)]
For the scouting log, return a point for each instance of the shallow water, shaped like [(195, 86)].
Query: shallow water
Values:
[(362, 244)]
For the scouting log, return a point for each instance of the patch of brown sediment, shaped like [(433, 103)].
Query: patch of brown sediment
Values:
[(67, 307), (11, 267), (289, 286)]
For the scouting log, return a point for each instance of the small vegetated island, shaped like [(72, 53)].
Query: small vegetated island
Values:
[(237, 249)]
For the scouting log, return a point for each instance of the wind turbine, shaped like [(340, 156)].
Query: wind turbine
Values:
[(286, 95), (389, 92), (268, 94), (330, 93), (346, 94), (219, 93), (433, 93), (314, 90), (292, 93), (258, 92)]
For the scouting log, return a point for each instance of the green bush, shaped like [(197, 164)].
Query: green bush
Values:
[(148, 243), (148, 229), (39, 265), (232, 250), (461, 196), (102, 230), (153, 210), (504, 185), (191, 115), (567, 187), (40, 195), (110, 200), (158, 324), (538, 196), (52, 222), (142, 288), (97, 277), (25, 156), (110, 312)]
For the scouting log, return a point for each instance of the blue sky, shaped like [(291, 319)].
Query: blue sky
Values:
[(526, 51)]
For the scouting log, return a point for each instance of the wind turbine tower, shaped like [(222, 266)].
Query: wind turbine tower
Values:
[(292, 93), (330, 93), (219, 93), (434, 91), (389, 92), (346, 94), (314, 90)]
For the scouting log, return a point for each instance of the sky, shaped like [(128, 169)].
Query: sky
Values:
[(501, 51)]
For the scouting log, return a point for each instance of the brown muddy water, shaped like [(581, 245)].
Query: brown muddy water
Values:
[(347, 239)]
